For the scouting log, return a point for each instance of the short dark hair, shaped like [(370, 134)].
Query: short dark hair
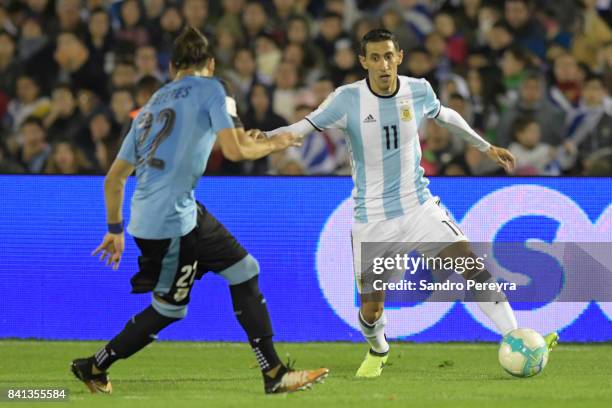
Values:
[(378, 35), (521, 123), (32, 120), (594, 77), (149, 84), (190, 49)]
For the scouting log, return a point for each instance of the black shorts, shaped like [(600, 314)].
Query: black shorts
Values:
[(168, 267)]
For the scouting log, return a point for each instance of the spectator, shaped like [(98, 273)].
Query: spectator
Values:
[(35, 150), (99, 38), (261, 116), (28, 102), (171, 22), (532, 156), (391, 19), (439, 148), (499, 39), (40, 9), (285, 90), (132, 29), (87, 102), (153, 12), (254, 20), (321, 89), (232, 10), (566, 89), (69, 17), (66, 158), (243, 75), (124, 75), (330, 31), (146, 64), (344, 62), (420, 65), (283, 10), (227, 42), (64, 120), (294, 54), (526, 30), (456, 46), (32, 40), (122, 103), (267, 55), (7, 164), (104, 137), (593, 33), (467, 18), (514, 69), (9, 67), (195, 13), (593, 128), (533, 102)]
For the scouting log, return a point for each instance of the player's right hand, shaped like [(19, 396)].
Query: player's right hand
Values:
[(285, 140), (112, 247)]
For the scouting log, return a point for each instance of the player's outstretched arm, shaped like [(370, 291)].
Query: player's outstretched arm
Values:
[(301, 128), (451, 120), (236, 144), (114, 184)]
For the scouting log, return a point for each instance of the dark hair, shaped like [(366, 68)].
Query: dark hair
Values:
[(98, 10), (519, 54), (378, 35), (4, 33), (331, 14), (503, 25), (533, 75), (190, 49), (521, 123), (594, 77), (149, 84), (64, 85), (32, 120)]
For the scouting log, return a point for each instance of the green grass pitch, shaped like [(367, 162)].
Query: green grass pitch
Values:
[(172, 375)]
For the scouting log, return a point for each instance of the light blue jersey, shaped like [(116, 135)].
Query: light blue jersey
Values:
[(384, 143), (169, 144)]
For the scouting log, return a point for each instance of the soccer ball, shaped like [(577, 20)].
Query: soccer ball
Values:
[(523, 353)]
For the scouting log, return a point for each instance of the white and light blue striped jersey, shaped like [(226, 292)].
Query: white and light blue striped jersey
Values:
[(382, 136)]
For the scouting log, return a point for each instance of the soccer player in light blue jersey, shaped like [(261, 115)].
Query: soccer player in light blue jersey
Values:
[(168, 146), (380, 116)]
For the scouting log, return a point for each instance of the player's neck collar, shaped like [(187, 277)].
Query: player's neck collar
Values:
[(397, 87)]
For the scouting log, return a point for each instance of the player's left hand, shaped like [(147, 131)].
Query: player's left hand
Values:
[(503, 157), (112, 247)]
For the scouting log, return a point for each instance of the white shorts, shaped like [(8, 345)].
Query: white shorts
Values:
[(428, 229)]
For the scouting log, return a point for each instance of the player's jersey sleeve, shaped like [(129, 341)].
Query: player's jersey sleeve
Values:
[(432, 105), (128, 147), (218, 109), (332, 113)]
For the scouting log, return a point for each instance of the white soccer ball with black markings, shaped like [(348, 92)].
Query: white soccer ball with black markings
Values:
[(523, 353)]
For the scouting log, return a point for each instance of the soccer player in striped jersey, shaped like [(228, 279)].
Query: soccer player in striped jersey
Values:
[(380, 116)]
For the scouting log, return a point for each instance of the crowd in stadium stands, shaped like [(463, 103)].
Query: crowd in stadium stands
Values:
[(532, 76)]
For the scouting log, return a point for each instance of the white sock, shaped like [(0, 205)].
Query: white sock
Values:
[(501, 314), (374, 333)]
